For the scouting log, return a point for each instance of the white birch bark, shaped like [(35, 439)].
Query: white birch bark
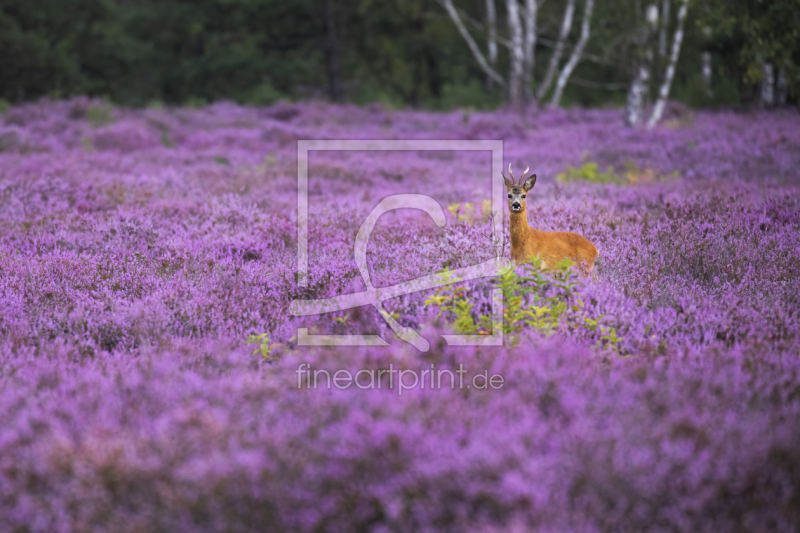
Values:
[(706, 72), (634, 107), (515, 75), (451, 10), (529, 58), (566, 72), (767, 85), (705, 65), (491, 23), (663, 92), (555, 59)]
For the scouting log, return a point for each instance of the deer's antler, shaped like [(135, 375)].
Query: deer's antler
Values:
[(513, 179)]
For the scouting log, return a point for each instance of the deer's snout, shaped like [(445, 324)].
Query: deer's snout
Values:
[(516, 206)]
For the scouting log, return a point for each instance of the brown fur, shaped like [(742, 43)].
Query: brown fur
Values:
[(551, 246)]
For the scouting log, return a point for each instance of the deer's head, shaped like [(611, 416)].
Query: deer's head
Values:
[(517, 193)]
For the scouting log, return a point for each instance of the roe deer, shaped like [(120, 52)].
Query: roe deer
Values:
[(551, 246)]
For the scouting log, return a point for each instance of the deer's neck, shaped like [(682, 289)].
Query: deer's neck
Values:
[(519, 228), (524, 241)]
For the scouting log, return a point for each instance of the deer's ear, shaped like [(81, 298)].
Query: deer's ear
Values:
[(507, 181), (529, 183)]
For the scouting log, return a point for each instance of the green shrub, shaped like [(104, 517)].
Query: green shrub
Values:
[(630, 175), (543, 300), (100, 115)]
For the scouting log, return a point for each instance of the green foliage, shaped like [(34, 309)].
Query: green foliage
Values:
[(399, 53), (545, 313), (513, 312), (606, 336), (453, 304), (4, 105), (544, 300), (470, 94), (264, 347), (196, 102), (468, 213), (630, 175), (59, 48), (264, 93), (99, 115), (757, 31), (588, 171), (166, 140)]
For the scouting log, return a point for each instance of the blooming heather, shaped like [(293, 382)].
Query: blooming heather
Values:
[(139, 252)]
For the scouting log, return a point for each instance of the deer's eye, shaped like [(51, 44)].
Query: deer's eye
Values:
[(510, 196), (523, 196)]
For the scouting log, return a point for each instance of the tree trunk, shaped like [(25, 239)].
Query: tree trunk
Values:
[(767, 85), (576, 53), (515, 75), (529, 51), (705, 59), (707, 73), (705, 64), (634, 108), (332, 53), (781, 89), (662, 36), (491, 24), (552, 66), (663, 92), (451, 10)]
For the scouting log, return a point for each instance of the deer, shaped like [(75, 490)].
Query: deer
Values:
[(551, 246)]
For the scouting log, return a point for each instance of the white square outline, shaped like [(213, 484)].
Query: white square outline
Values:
[(304, 146)]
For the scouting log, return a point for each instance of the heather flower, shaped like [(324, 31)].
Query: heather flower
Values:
[(135, 266)]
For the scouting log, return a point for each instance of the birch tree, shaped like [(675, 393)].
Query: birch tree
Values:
[(577, 52), (529, 58), (515, 75), (781, 89), (767, 97), (664, 27), (521, 44), (634, 107), (476, 52), (332, 62), (515, 44), (491, 41), (705, 65), (705, 55), (663, 92), (555, 59), (765, 37)]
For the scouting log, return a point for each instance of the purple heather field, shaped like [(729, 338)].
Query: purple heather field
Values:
[(141, 248)]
